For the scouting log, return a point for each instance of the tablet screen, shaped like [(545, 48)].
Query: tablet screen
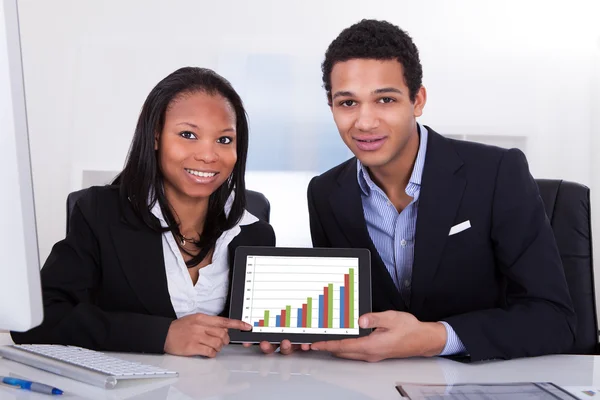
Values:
[(314, 295)]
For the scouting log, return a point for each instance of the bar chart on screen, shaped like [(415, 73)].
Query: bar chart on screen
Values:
[(301, 295)]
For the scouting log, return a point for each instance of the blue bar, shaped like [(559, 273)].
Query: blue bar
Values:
[(256, 324), (278, 320), (342, 324), (321, 310), (299, 318)]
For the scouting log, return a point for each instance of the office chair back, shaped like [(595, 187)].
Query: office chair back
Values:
[(256, 204), (568, 208)]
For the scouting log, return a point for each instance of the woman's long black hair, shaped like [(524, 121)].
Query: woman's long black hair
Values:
[(141, 181)]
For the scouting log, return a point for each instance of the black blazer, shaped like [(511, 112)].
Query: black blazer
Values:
[(105, 286), (499, 284)]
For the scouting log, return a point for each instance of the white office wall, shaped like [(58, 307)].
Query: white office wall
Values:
[(528, 71)]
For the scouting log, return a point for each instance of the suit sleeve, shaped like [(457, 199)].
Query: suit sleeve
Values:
[(317, 233), (538, 317), (70, 278)]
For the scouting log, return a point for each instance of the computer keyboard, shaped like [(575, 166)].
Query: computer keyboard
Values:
[(81, 364)]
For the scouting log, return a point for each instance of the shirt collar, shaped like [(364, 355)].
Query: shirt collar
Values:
[(366, 183), (247, 218)]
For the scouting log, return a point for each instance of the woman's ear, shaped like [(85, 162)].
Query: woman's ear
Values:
[(156, 141)]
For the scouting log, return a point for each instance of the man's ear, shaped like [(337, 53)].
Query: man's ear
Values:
[(420, 100)]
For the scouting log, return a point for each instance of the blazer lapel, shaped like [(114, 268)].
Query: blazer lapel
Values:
[(140, 253), (346, 203), (441, 193)]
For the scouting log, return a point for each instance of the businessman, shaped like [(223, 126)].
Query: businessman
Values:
[(464, 261)]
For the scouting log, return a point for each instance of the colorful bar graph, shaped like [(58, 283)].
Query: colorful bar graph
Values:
[(342, 323), (330, 307), (309, 312), (321, 311), (347, 291), (326, 307), (328, 315), (351, 295)]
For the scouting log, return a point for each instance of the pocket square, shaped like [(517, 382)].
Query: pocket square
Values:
[(460, 227)]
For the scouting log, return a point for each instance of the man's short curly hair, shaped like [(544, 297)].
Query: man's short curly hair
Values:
[(377, 40)]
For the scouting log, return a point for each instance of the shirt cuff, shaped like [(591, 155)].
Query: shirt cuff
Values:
[(453, 344)]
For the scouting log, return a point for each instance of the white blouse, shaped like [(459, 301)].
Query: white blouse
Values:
[(209, 294)]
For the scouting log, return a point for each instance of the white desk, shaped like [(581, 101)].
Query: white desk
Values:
[(239, 373)]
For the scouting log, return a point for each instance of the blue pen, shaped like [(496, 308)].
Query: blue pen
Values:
[(28, 385)]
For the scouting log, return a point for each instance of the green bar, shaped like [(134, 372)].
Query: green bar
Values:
[(351, 293), (266, 318), (308, 312), (288, 311), (330, 306)]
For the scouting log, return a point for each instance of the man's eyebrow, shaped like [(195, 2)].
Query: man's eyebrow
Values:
[(342, 94), (387, 90)]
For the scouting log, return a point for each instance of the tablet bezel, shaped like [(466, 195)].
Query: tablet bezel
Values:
[(238, 286)]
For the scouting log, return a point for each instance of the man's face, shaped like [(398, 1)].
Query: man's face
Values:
[(372, 109)]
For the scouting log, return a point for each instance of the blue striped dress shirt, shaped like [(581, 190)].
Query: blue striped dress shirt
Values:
[(393, 233)]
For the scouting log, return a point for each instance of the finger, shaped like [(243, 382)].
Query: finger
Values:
[(219, 333), (370, 320), (267, 347), (222, 322), (305, 346), (204, 350), (214, 342), (216, 332), (285, 347), (384, 319), (247, 344), (211, 341), (341, 346)]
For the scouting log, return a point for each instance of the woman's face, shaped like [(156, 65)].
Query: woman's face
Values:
[(197, 146)]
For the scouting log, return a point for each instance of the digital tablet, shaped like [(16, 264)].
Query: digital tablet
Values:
[(300, 294)]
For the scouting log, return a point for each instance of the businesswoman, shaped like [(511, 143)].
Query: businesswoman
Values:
[(146, 264)]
